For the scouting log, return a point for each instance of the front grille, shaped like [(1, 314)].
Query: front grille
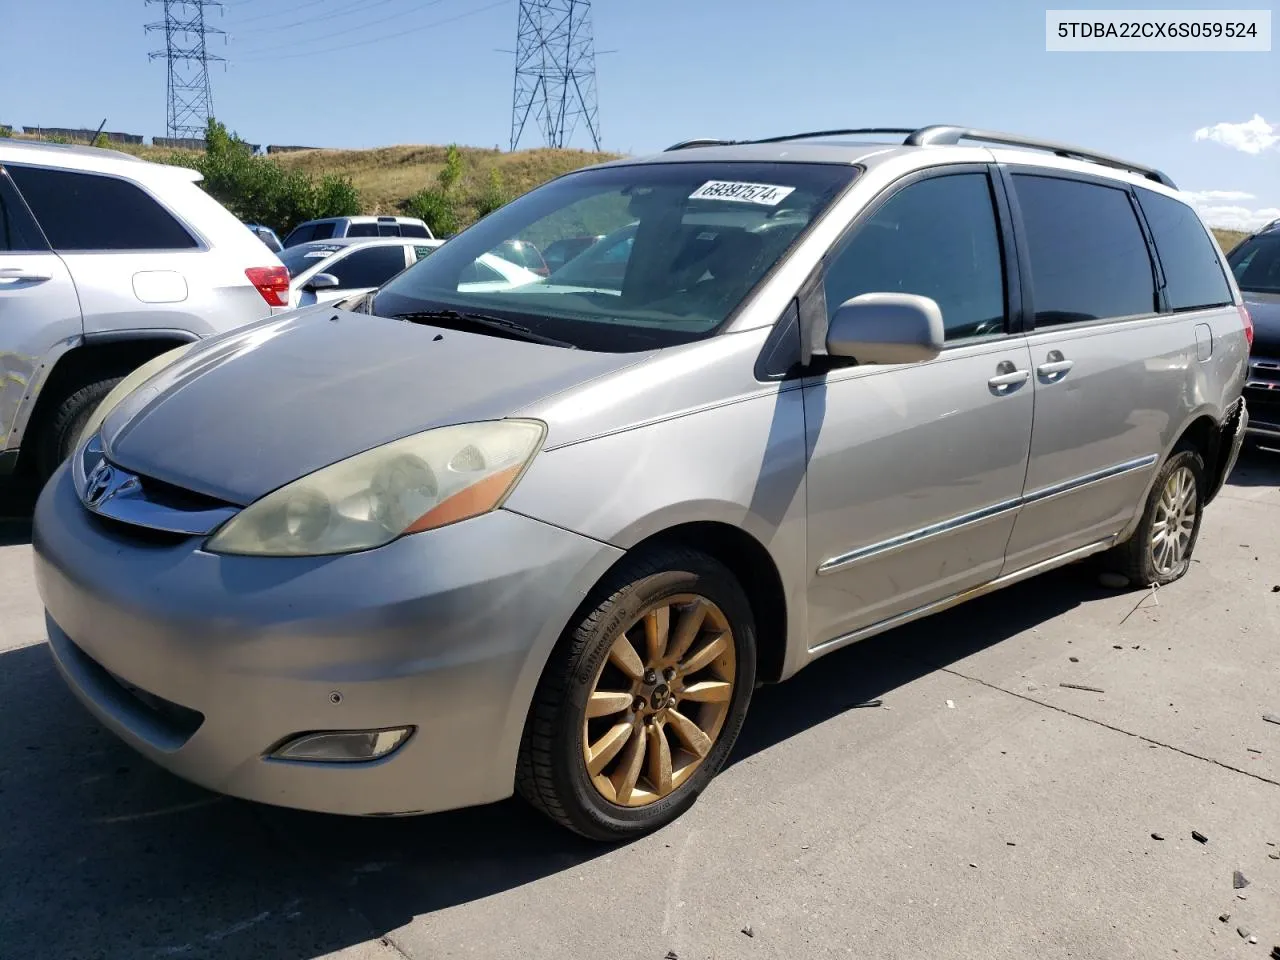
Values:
[(181, 720)]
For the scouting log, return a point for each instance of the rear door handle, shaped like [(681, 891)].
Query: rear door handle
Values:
[(1054, 367), (17, 273)]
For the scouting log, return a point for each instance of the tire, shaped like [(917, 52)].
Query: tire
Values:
[(552, 772), (1138, 559), (57, 437)]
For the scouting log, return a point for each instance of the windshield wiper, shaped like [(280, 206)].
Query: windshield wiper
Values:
[(458, 320)]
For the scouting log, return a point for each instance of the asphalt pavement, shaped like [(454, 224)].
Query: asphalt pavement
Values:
[(984, 810)]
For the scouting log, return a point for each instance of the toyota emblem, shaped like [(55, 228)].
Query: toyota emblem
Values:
[(98, 483)]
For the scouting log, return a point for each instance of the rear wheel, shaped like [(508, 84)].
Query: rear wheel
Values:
[(642, 700), (57, 436), (1160, 549)]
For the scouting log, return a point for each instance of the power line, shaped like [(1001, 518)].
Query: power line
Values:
[(392, 36), (284, 12), (355, 8)]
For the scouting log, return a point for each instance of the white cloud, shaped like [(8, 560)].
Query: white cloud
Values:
[(1252, 136), (1226, 209)]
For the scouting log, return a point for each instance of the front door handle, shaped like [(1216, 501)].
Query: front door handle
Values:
[(1055, 365), (1009, 376)]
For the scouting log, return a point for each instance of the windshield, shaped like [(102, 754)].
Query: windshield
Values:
[(1256, 264), (307, 255), (643, 256)]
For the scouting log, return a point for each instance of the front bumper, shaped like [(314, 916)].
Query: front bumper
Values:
[(1262, 390), (445, 631)]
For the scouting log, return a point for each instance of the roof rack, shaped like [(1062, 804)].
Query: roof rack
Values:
[(946, 134), (949, 135)]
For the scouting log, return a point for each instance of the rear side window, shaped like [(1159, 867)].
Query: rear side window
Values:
[(413, 230), (371, 267), (322, 231), (936, 238), (300, 234), (422, 252), (18, 232), (1089, 259), (83, 211), (362, 230), (1193, 274)]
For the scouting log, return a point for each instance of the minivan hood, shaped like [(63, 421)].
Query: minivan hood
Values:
[(247, 412), (1264, 309)]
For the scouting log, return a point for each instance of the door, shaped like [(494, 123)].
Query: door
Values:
[(915, 471), (39, 310), (1109, 371), (135, 264)]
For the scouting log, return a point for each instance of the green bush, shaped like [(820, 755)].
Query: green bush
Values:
[(435, 208), (493, 196), (258, 190)]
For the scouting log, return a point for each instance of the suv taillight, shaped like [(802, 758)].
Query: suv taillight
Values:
[(272, 283), (1248, 324)]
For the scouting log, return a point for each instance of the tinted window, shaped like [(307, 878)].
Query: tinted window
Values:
[(478, 272), (301, 234), (1256, 264), (362, 230), (81, 211), (371, 267), (413, 230), (1193, 274), (937, 238), (1088, 255), (420, 252), (18, 233), (323, 231), (302, 257), (389, 229)]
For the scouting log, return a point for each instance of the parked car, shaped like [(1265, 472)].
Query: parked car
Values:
[(547, 538), (559, 252), (523, 254), (323, 271), (267, 236), (333, 228), (332, 270), (107, 261), (1256, 265)]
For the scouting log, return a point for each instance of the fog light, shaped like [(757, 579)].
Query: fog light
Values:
[(343, 746)]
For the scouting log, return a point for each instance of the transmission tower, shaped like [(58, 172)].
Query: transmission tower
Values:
[(186, 50), (555, 71)]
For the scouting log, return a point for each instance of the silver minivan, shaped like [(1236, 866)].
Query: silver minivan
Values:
[(548, 535)]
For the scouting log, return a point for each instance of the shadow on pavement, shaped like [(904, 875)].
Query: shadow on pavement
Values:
[(111, 857), (1256, 467), (17, 501), (108, 856)]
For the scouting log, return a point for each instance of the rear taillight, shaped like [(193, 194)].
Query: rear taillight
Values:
[(1248, 324), (272, 283)]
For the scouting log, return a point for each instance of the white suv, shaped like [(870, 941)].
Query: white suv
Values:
[(105, 262)]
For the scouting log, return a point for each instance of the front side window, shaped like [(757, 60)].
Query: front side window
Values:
[(1256, 264), (370, 267), (1193, 276), (936, 238), (1089, 259), (696, 239), (84, 211)]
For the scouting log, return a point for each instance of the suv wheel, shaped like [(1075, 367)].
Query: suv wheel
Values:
[(1160, 549), (643, 698), (57, 438)]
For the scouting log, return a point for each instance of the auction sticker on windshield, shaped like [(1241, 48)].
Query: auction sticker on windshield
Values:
[(766, 194)]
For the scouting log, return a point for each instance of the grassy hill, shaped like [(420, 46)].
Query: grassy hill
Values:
[(387, 176)]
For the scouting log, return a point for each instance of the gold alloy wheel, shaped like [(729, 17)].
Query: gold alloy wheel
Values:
[(659, 700)]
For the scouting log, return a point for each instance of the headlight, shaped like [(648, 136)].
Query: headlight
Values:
[(126, 387), (419, 483)]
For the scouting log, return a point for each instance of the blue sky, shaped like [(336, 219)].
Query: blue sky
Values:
[(379, 72)]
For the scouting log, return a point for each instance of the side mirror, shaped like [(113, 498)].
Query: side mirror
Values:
[(886, 328), (323, 281)]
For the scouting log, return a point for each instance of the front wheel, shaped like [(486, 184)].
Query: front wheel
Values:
[(643, 698), (60, 432), (1160, 549)]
